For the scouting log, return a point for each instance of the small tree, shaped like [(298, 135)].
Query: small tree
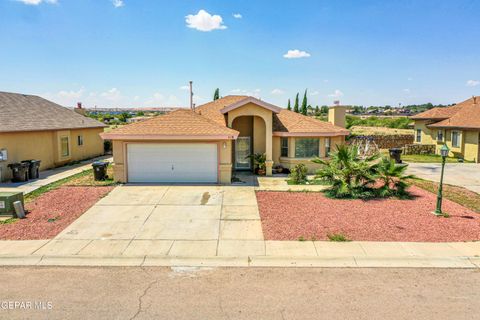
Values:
[(295, 106), (298, 175), (317, 111), (393, 178), (324, 110), (288, 105), (304, 104), (216, 94)]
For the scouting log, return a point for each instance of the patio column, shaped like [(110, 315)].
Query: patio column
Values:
[(268, 148)]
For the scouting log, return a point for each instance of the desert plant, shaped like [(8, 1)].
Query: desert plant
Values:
[(298, 174), (259, 160), (349, 175), (393, 178), (337, 237)]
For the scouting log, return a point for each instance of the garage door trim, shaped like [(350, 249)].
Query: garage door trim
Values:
[(125, 155)]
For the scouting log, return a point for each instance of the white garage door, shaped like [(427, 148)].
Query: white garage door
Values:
[(172, 162)]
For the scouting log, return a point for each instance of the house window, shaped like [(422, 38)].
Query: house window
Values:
[(80, 140), (284, 147), (455, 139), (327, 147), (440, 135), (419, 135), (64, 148), (306, 148)]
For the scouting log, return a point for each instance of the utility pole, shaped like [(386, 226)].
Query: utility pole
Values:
[(191, 96)]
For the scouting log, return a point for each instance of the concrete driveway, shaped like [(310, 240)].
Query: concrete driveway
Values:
[(465, 175), (166, 220)]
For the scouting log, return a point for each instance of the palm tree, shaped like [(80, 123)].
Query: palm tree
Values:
[(393, 178), (349, 175)]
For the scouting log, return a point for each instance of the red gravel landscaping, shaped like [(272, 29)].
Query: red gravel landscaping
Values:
[(292, 215), (52, 212)]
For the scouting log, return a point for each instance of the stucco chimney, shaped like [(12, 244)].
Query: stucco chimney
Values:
[(79, 109), (336, 114)]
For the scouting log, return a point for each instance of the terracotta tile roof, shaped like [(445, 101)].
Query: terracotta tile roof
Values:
[(284, 122), (294, 123), (211, 110), (438, 113), (22, 112), (467, 116), (182, 123)]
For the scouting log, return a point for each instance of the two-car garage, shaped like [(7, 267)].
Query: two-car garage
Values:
[(172, 162)]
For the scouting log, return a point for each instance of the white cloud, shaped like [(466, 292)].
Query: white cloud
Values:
[(112, 94), (185, 88), (253, 93), (237, 16), (37, 2), (277, 91), (295, 54), (409, 79), (118, 3), (336, 94), (406, 90), (159, 100), (472, 83), (314, 93), (204, 21)]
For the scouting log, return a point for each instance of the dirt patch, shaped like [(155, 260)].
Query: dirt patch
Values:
[(52, 212), (294, 215)]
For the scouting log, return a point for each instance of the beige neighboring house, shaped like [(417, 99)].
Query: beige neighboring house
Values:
[(208, 144), (457, 126), (34, 128)]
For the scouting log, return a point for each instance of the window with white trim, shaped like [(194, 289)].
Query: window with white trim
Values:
[(284, 147), (440, 135), (306, 147), (419, 135), (327, 146), (64, 147), (455, 139)]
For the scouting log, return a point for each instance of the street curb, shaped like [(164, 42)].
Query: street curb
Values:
[(250, 261)]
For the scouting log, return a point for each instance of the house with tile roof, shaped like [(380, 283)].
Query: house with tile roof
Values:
[(457, 126), (34, 128), (208, 144)]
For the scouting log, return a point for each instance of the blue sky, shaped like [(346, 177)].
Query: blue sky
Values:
[(136, 53)]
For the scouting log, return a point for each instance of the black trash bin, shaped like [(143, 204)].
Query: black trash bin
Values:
[(19, 171), (396, 154), (33, 168), (100, 170)]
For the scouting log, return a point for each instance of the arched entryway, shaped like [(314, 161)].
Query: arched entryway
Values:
[(252, 139)]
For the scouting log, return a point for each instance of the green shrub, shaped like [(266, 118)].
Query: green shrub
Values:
[(356, 178), (349, 175), (298, 174), (337, 237)]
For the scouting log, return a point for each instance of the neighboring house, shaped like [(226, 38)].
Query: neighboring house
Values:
[(34, 128), (457, 126), (207, 144)]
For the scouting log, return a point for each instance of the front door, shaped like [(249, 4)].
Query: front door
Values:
[(242, 151)]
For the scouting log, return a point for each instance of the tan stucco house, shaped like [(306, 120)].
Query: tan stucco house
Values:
[(457, 126), (34, 128), (206, 145)]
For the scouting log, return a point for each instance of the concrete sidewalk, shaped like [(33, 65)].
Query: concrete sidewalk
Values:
[(246, 253), (50, 176)]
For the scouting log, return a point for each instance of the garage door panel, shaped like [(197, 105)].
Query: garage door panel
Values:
[(172, 162)]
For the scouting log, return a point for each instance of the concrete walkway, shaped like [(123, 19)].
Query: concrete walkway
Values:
[(50, 176), (209, 226), (465, 175)]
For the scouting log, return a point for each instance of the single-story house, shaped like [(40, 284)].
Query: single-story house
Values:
[(457, 126), (206, 144), (34, 128)]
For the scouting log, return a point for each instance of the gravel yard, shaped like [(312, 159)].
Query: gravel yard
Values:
[(52, 212), (295, 215)]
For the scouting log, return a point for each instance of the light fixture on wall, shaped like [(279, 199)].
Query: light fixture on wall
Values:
[(224, 145)]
